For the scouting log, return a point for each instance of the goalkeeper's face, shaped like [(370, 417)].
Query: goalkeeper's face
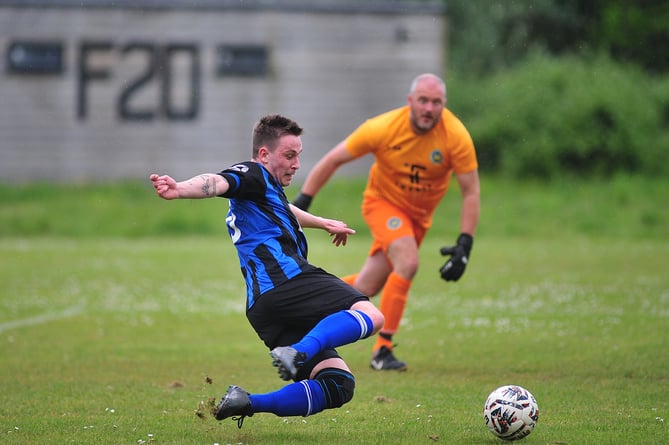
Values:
[(284, 161), (426, 103)]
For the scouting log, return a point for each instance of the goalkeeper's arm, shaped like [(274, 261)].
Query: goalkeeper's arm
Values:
[(321, 174), (461, 252)]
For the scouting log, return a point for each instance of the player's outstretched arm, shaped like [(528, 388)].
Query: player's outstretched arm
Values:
[(205, 185)]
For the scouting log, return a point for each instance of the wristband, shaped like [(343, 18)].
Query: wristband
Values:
[(302, 201), (467, 241)]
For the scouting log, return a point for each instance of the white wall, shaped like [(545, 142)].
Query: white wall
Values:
[(329, 71)]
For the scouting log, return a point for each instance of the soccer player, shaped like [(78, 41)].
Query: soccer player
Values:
[(301, 312), (416, 148)]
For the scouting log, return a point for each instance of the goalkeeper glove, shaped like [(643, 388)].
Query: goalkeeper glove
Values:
[(302, 201), (455, 267)]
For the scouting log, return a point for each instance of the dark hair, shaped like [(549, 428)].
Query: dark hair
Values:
[(270, 129)]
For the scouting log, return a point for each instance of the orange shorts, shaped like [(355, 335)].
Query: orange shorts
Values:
[(388, 223)]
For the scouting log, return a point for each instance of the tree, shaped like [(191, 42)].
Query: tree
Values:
[(486, 36)]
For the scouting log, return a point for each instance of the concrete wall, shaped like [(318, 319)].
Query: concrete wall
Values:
[(329, 68)]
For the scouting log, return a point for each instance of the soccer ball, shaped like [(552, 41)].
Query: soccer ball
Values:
[(511, 412)]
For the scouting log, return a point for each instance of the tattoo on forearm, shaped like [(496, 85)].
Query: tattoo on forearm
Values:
[(208, 188)]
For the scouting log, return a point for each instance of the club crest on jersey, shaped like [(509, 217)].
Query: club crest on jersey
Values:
[(240, 167), (394, 222), (436, 156)]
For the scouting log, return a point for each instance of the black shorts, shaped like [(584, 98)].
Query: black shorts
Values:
[(284, 315)]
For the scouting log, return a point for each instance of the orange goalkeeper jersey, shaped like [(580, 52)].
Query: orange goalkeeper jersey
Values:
[(412, 171)]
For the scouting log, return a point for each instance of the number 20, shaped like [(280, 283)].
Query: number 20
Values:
[(158, 64)]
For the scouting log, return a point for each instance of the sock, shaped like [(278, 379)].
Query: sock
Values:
[(393, 300), (296, 399), (338, 329), (383, 339), (350, 279)]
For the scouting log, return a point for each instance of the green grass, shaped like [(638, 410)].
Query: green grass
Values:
[(112, 319), (622, 206)]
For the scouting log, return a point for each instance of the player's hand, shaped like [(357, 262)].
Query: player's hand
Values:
[(302, 201), (338, 230), (339, 239), (455, 267), (165, 186)]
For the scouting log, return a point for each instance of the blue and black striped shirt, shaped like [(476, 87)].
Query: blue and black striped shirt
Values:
[(270, 243)]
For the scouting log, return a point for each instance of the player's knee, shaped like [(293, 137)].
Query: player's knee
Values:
[(375, 315), (338, 386)]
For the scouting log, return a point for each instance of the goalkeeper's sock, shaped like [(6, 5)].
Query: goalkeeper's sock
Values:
[(383, 339), (296, 399), (350, 279), (338, 329), (393, 300)]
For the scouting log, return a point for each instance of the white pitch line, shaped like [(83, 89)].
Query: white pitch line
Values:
[(39, 319)]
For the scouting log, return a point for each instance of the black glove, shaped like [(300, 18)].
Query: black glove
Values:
[(455, 267), (302, 201)]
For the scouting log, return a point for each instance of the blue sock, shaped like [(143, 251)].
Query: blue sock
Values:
[(338, 329), (296, 399)]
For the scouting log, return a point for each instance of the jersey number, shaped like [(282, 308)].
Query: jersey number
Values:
[(236, 233)]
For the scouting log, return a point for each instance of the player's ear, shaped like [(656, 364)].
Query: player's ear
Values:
[(263, 154)]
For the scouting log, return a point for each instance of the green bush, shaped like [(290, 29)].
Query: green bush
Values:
[(576, 115)]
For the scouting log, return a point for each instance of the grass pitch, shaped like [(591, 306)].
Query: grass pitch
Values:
[(119, 339)]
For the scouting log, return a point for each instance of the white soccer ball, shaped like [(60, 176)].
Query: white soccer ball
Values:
[(511, 412)]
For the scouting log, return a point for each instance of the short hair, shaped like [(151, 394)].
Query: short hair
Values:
[(270, 128)]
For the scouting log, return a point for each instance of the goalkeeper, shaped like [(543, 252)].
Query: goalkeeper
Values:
[(416, 148)]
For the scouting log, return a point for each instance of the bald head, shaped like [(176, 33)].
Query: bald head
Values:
[(427, 80), (426, 99)]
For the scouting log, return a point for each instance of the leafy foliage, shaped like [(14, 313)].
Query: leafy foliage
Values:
[(548, 86), (503, 33), (583, 116)]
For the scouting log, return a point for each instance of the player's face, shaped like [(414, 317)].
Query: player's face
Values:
[(284, 161), (426, 103)]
